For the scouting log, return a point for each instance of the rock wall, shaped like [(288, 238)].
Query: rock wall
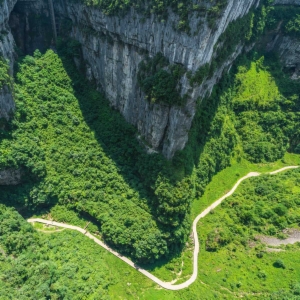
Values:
[(7, 104), (7, 52), (114, 46), (30, 25), (286, 2), (10, 176), (286, 46)]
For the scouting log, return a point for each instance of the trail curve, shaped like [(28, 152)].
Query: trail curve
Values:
[(166, 285)]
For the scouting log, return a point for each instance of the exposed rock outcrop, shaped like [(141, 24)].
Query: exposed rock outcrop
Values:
[(30, 25), (288, 49), (6, 52), (7, 104), (113, 47), (10, 176)]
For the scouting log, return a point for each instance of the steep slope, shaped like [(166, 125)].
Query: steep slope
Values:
[(6, 53), (113, 46), (78, 152)]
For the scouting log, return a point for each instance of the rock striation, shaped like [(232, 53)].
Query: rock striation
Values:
[(10, 176), (113, 47), (7, 52)]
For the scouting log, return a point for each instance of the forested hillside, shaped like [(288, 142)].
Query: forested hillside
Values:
[(77, 152), (77, 155), (42, 265), (233, 261)]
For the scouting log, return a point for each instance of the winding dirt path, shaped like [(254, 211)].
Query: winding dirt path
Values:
[(166, 285)]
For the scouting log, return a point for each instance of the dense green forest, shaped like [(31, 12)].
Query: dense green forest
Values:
[(67, 161), (4, 73), (78, 152), (45, 266), (78, 155)]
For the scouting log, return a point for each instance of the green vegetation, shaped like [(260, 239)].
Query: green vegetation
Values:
[(255, 87), (233, 124), (287, 17), (81, 162), (67, 264), (62, 142), (266, 120), (83, 155), (159, 81), (293, 26), (49, 266), (242, 31), (261, 205), (225, 179), (183, 8)]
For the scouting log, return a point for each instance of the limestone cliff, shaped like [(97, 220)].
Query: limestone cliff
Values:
[(30, 25), (287, 46), (10, 176), (113, 47), (6, 52)]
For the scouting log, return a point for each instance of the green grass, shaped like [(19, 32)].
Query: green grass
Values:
[(5, 78), (220, 184), (46, 228), (256, 85), (236, 266)]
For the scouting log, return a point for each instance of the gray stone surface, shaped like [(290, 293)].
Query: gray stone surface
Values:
[(30, 25), (6, 51), (7, 104), (10, 176), (288, 49), (113, 47)]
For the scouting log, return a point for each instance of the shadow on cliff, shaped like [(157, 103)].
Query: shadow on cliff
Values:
[(142, 172), (118, 140), (282, 75)]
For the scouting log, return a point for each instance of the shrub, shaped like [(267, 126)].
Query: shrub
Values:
[(279, 264)]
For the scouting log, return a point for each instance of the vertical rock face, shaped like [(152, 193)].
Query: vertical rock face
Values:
[(113, 47), (288, 49), (6, 41), (10, 176), (6, 52), (286, 46), (7, 104), (30, 25)]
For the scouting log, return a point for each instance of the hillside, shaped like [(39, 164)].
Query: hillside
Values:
[(101, 126)]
